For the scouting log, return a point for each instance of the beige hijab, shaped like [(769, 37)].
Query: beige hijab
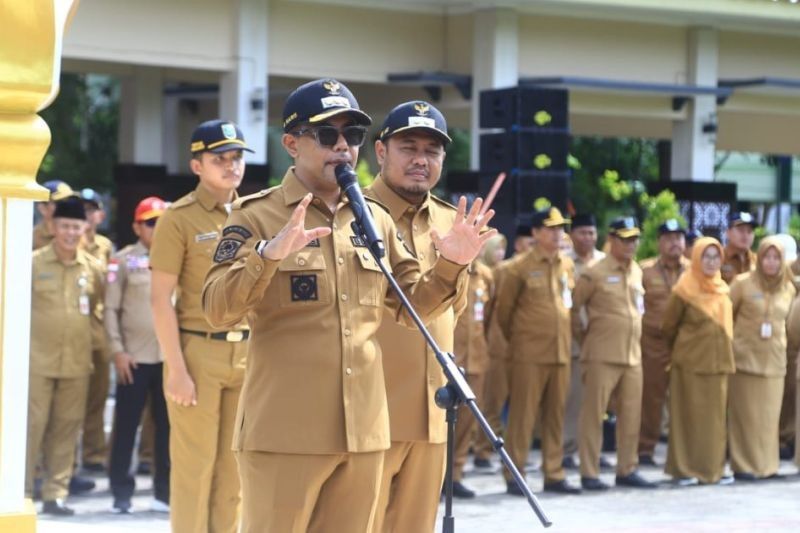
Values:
[(775, 282)]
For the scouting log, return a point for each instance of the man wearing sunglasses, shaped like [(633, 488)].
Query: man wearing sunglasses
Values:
[(313, 422), (138, 361), (204, 366), (410, 152)]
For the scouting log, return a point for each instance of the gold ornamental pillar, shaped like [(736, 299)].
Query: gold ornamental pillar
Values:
[(31, 33)]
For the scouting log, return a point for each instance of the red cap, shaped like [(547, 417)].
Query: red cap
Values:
[(150, 207)]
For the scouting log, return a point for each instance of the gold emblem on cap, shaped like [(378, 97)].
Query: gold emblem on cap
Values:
[(422, 109), (332, 86)]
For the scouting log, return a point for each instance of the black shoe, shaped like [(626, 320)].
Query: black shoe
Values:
[(786, 452), (605, 464), (646, 459), (593, 483), (561, 487), (143, 469), (482, 463), (569, 462), (80, 485), (744, 476), (94, 468), (635, 480), (121, 507), (513, 489), (460, 491), (57, 508)]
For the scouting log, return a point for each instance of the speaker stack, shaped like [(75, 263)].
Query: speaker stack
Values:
[(530, 143)]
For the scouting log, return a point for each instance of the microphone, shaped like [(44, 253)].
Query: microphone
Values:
[(364, 225)]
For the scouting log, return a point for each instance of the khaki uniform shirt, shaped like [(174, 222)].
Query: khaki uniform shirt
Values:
[(759, 326), (41, 235), (580, 266), (498, 345), (128, 318), (533, 307), (101, 249), (735, 263), (63, 299), (795, 268), (183, 244), (658, 280), (410, 368), (470, 345), (698, 344), (793, 332), (614, 299), (314, 380)]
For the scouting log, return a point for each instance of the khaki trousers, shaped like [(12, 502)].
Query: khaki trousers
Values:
[(56, 407), (413, 473), (93, 443), (573, 408), (495, 394), (204, 484), (290, 493), (788, 408), (754, 408), (797, 425), (655, 360), (466, 426), (698, 408), (537, 389), (600, 382)]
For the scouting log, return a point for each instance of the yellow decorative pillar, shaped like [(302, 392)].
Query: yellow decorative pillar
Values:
[(31, 33)]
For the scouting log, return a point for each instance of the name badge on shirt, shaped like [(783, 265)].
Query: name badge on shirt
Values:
[(613, 279), (766, 330), (210, 236), (83, 304)]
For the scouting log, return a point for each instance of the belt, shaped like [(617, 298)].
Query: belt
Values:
[(230, 336)]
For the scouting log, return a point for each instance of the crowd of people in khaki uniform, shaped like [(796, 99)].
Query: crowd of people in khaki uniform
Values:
[(247, 429)]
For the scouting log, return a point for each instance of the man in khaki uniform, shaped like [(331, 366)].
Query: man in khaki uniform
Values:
[(659, 274), (410, 151), (66, 290), (533, 310), (611, 355), (584, 254), (472, 354), (204, 366), (43, 231), (93, 439), (313, 422), (739, 257), (138, 361)]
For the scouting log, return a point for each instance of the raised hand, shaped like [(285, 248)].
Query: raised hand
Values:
[(464, 241), (293, 236)]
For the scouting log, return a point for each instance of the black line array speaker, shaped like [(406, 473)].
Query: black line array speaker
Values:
[(525, 107), (524, 151)]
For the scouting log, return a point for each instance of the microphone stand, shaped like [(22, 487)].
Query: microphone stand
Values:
[(449, 397)]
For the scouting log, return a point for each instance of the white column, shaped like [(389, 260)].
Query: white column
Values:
[(243, 91), (141, 111), (692, 149), (495, 61)]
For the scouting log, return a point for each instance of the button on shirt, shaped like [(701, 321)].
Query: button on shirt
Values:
[(314, 380), (614, 300)]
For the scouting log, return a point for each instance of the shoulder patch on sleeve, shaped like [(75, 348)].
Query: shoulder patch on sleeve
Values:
[(238, 230), (226, 250)]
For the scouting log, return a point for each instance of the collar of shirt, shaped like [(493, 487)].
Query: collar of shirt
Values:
[(682, 264), (397, 205), (537, 256), (207, 200), (49, 254), (596, 255), (617, 265)]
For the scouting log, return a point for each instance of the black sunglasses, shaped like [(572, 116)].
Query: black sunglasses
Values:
[(150, 222), (328, 136)]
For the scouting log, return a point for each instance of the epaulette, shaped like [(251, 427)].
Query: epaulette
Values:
[(260, 194), (376, 202), (443, 203), (183, 201)]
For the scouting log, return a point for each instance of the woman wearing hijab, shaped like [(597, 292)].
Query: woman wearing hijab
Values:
[(494, 251), (698, 324), (761, 302)]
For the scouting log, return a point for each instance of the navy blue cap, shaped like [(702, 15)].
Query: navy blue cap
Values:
[(415, 115), (523, 231), (59, 190), (549, 218), (624, 227), (319, 100), (692, 235), (738, 218), (92, 196), (217, 136), (584, 219), (71, 207), (671, 226)]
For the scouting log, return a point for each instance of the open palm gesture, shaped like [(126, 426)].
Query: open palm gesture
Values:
[(464, 241)]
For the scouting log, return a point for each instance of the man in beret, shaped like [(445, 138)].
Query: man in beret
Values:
[(739, 257), (204, 365), (659, 275), (611, 357), (67, 289), (313, 422)]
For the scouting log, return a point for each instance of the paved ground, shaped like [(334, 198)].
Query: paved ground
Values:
[(768, 506)]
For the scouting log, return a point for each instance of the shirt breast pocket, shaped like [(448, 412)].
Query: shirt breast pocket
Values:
[(303, 279), (371, 282), (537, 284)]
